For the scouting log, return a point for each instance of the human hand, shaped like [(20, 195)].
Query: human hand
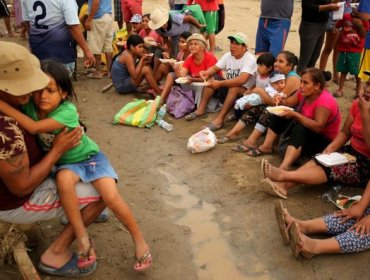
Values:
[(355, 212), (288, 114), (362, 227), (65, 140), (277, 98), (204, 74), (88, 24), (329, 149), (334, 6), (214, 84), (89, 59)]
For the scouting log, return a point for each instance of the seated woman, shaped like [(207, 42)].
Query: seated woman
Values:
[(313, 128), (164, 68), (349, 230), (355, 173), (199, 60), (131, 67), (285, 63)]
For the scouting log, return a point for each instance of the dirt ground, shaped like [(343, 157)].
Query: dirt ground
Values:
[(203, 215)]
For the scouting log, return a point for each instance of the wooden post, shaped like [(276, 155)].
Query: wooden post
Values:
[(19, 251)]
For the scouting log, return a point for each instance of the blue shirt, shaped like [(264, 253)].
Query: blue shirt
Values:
[(364, 7), (105, 7)]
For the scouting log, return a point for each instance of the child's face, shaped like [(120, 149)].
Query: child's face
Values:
[(263, 69), (136, 26), (144, 23), (48, 99), (182, 44), (138, 50), (278, 85)]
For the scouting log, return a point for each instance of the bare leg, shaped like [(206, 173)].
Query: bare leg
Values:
[(251, 141), (212, 42), (313, 226), (270, 139), (147, 74), (238, 127), (291, 155), (66, 182), (8, 27), (309, 174), (59, 252), (98, 64), (108, 57), (170, 80), (206, 96), (358, 86), (342, 80), (232, 94), (108, 190), (161, 71)]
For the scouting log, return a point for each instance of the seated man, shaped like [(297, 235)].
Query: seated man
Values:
[(27, 193), (239, 66)]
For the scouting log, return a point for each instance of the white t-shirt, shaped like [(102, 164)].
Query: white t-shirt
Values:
[(262, 83), (234, 67)]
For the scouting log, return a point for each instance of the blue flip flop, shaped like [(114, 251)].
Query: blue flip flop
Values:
[(70, 269)]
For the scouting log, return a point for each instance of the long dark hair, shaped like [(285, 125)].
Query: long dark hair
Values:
[(61, 76), (290, 57)]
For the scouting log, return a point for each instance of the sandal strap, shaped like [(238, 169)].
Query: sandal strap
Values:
[(143, 258)]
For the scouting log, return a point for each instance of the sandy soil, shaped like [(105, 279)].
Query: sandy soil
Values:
[(203, 215)]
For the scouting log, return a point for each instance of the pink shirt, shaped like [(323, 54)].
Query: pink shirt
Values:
[(326, 100), (357, 139), (208, 61), (151, 33)]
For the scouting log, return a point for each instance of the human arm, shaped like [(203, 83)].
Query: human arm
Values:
[(364, 104), (312, 7), (33, 127), (343, 136), (94, 8), (234, 82), (80, 40), (360, 27), (192, 20), (21, 179), (357, 212)]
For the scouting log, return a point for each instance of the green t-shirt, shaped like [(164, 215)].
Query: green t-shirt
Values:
[(66, 114)]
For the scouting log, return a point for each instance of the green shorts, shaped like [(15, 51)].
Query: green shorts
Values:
[(348, 63), (211, 21)]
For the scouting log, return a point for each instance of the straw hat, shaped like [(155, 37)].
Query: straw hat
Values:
[(198, 37), (158, 18), (20, 71)]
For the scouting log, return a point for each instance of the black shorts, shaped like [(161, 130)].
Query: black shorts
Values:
[(4, 11)]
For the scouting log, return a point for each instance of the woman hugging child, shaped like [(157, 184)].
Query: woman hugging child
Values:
[(48, 113)]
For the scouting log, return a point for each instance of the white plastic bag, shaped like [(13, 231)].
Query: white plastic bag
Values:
[(202, 141)]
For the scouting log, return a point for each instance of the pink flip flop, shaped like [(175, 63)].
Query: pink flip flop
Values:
[(144, 262)]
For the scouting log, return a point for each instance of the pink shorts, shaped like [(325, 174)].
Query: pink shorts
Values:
[(130, 8)]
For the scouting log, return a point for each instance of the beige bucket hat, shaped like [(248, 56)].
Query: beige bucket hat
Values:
[(158, 18), (20, 71)]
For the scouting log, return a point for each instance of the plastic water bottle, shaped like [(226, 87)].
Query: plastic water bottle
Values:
[(165, 125), (332, 194), (161, 112)]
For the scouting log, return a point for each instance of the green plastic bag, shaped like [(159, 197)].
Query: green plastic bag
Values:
[(138, 112)]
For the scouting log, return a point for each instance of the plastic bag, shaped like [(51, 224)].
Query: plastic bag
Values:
[(202, 141)]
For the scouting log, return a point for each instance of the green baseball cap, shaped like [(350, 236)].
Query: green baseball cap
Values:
[(239, 37)]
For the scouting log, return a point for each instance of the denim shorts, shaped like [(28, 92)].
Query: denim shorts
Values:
[(98, 166)]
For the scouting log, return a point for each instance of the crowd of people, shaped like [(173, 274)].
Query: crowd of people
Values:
[(176, 47)]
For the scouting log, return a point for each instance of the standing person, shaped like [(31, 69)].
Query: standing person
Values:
[(130, 8), (118, 13), (221, 16), (52, 35), (364, 14), (49, 112), (273, 26), (350, 45), (28, 194), (331, 38), (315, 16), (239, 66), (4, 13), (210, 11), (100, 34)]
